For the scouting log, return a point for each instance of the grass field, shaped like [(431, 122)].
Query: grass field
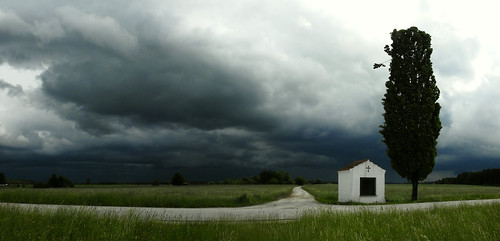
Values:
[(452, 223), (225, 195), (190, 196), (401, 193)]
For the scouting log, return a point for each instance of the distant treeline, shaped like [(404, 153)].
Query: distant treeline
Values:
[(54, 182), (490, 177), (270, 177), (264, 177)]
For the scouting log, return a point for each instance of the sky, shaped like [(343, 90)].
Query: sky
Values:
[(137, 90)]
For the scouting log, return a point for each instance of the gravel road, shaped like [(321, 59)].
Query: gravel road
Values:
[(293, 207)]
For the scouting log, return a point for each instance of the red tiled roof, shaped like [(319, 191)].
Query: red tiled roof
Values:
[(353, 164)]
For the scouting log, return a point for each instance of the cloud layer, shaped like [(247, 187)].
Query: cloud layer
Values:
[(129, 85)]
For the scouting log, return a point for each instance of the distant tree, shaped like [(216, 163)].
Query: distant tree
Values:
[(273, 177), (273, 180), (178, 179), (300, 181), (284, 177), (156, 182), (57, 182), (265, 176), (88, 181), (2, 178), (411, 119), (53, 182)]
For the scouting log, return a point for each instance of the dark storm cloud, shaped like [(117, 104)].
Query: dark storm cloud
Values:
[(191, 77), (222, 104), (152, 87), (167, 82), (159, 90)]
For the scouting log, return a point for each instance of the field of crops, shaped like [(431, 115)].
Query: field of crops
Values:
[(189, 196)]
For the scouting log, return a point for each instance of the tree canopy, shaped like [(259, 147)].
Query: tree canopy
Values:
[(57, 182), (411, 119), (178, 179), (275, 177)]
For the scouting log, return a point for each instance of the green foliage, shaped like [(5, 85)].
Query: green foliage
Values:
[(275, 177), (411, 119), (264, 177), (178, 179), (452, 223), (485, 177), (300, 181), (2, 178)]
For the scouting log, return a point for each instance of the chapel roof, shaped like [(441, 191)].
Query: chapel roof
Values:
[(353, 164)]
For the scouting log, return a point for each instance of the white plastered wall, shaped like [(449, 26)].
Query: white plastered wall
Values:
[(349, 183)]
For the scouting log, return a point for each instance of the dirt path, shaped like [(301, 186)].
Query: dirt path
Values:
[(288, 208)]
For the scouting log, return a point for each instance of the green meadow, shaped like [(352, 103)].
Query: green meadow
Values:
[(193, 196), (189, 196), (401, 193), (480, 222)]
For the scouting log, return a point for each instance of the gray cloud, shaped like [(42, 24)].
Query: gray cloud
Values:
[(455, 55), (197, 94), (126, 84), (11, 89)]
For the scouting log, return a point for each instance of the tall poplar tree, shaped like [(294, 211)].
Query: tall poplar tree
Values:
[(411, 119)]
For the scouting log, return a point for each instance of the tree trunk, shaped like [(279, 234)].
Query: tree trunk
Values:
[(414, 190)]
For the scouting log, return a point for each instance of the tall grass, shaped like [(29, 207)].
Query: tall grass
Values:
[(149, 196), (480, 222), (401, 193)]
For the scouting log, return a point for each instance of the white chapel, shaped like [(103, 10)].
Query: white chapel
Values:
[(361, 181)]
